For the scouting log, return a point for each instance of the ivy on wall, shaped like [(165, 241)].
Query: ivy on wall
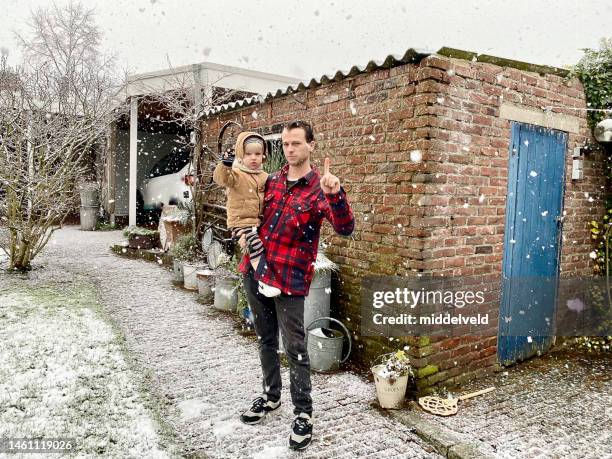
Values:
[(594, 70)]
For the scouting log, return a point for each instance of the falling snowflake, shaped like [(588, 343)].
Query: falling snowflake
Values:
[(526, 142), (353, 109), (575, 305), (593, 255), (545, 213), (416, 156), (529, 339), (481, 198), (533, 173), (254, 115)]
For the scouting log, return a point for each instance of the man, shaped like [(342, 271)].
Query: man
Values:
[(297, 198)]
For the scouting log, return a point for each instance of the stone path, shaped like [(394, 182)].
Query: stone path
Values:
[(208, 373)]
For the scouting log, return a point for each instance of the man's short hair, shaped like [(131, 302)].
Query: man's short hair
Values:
[(298, 124)]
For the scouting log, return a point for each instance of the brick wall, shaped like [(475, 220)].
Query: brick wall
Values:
[(444, 214)]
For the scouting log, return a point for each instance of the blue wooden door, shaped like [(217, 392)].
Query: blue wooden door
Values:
[(531, 242)]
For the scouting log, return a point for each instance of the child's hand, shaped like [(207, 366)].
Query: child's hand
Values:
[(242, 242), (228, 157)]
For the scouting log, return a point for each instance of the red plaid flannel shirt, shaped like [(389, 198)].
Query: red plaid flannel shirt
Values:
[(290, 229)]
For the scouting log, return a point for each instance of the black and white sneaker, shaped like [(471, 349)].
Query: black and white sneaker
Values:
[(258, 410), (301, 433)]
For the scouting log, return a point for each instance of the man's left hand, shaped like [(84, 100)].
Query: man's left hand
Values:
[(330, 184)]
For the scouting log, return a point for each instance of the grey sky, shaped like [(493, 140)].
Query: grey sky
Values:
[(306, 39)]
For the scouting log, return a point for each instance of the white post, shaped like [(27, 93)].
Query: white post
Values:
[(133, 159)]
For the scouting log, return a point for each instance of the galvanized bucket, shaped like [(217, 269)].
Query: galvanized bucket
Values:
[(226, 294), (325, 346), (317, 303), (190, 280), (90, 198), (89, 218), (177, 268), (206, 283)]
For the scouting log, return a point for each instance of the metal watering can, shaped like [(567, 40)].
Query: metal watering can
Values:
[(325, 346)]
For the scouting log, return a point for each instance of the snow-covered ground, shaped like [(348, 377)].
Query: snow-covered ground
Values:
[(63, 372), (555, 406), (204, 374)]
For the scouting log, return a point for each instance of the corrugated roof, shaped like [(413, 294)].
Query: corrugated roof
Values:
[(392, 60)]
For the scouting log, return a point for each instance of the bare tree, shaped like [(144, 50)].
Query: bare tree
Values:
[(54, 110)]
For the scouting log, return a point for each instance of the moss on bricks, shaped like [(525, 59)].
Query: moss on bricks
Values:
[(427, 371), (425, 351)]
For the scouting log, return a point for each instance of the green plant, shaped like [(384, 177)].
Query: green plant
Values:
[(105, 226), (186, 248), (139, 231), (594, 70), (228, 267), (397, 364)]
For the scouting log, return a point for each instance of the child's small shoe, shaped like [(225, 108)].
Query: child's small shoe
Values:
[(268, 290)]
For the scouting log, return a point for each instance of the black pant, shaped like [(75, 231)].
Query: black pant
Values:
[(286, 311)]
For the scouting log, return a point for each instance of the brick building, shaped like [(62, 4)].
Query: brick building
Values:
[(425, 144)]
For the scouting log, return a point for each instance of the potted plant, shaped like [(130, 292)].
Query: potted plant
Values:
[(186, 261), (391, 378), (227, 283), (141, 238)]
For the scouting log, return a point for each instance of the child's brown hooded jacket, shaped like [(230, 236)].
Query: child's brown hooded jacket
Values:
[(245, 187)]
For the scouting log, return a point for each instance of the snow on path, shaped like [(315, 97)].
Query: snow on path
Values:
[(210, 374)]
